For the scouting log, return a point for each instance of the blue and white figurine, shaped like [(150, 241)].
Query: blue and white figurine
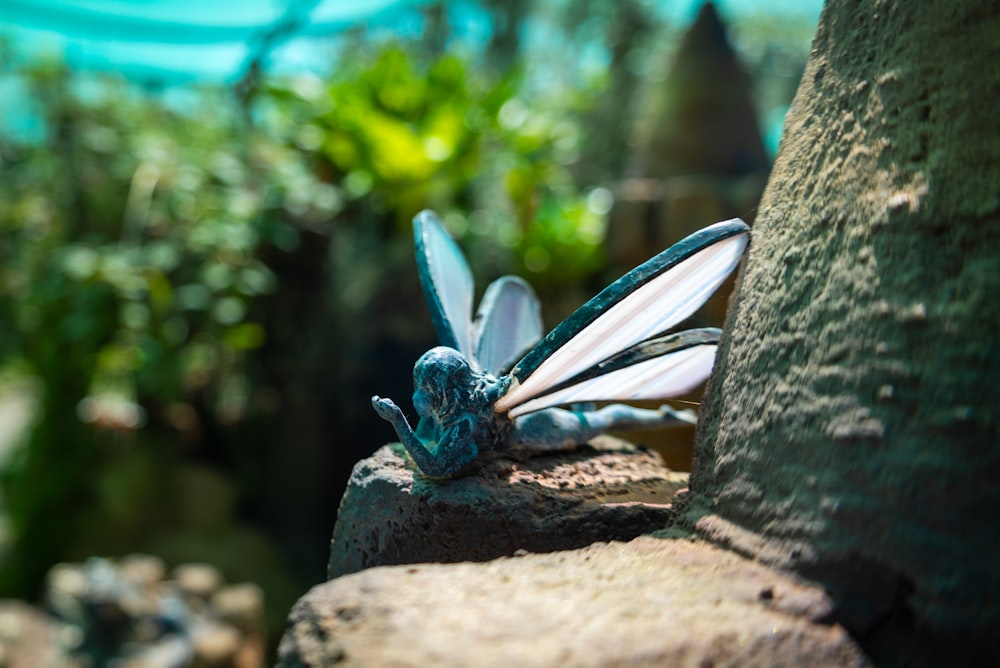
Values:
[(495, 384)]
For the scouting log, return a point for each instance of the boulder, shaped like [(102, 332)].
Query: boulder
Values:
[(648, 602), (392, 514)]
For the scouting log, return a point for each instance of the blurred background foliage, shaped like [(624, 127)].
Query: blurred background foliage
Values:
[(200, 292)]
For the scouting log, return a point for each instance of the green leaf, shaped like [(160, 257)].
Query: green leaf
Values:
[(245, 336)]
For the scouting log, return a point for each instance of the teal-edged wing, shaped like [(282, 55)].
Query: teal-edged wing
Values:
[(507, 322), (612, 347)]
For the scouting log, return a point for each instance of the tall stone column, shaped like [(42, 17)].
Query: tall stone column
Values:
[(852, 428)]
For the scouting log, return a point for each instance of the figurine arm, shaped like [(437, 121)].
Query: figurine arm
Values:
[(454, 449), (391, 413)]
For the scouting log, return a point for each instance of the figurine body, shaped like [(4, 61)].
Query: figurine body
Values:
[(458, 423), (611, 348)]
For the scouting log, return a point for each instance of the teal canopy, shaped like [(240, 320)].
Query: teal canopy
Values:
[(176, 40), (173, 41)]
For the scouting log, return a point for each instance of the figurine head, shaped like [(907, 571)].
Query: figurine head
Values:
[(442, 382)]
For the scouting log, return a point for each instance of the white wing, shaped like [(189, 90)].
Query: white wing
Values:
[(655, 378), (447, 283), (647, 301), (508, 323)]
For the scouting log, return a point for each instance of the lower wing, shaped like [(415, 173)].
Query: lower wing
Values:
[(666, 371)]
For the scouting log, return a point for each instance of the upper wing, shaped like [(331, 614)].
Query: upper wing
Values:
[(648, 300), (507, 325), (447, 283)]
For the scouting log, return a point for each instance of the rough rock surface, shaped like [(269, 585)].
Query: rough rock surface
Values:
[(648, 602), (851, 429), (391, 514)]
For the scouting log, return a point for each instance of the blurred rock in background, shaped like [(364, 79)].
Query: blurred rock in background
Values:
[(132, 612)]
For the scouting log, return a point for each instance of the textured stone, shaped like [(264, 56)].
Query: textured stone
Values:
[(850, 430), (391, 514), (649, 602)]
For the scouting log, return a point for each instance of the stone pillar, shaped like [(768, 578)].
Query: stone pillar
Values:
[(851, 431)]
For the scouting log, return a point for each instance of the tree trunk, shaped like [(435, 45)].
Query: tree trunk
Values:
[(851, 430)]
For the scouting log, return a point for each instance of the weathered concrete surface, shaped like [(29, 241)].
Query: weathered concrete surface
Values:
[(851, 430), (649, 602), (391, 514)]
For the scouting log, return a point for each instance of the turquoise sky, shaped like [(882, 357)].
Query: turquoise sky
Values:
[(176, 40), (685, 10)]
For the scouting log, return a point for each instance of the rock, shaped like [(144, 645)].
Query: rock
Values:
[(27, 637), (106, 612), (142, 570), (198, 581), (848, 431), (391, 514), (241, 606), (649, 602), (215, 645)]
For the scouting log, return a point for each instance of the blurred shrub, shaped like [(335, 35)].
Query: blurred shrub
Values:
[(130, 247), (210, 285), (403, 132)]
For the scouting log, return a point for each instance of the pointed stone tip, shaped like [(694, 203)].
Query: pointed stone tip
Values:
[(708, 29), (708, 123)]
